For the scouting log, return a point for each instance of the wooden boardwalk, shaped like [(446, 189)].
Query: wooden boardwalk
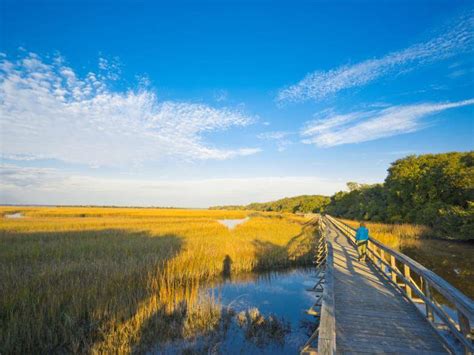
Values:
[(371, 315)]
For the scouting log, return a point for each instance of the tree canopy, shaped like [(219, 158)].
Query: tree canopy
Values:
[(431, 189), (297, 204)]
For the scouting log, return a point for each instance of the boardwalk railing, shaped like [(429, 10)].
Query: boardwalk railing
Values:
[(327, 324), (419, 285), (325, 333)]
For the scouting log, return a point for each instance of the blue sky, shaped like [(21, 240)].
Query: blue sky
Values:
[(202, 103)]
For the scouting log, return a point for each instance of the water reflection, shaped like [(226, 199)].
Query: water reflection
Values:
[(282, 294), (232, 223), (14, 215), (261, 313)]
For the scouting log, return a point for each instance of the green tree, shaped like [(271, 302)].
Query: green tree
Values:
[(432, 189)]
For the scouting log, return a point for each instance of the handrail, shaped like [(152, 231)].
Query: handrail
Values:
[(327, 332), (460, 328)]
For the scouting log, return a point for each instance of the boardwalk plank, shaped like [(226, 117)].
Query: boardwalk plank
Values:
[(387, 330)]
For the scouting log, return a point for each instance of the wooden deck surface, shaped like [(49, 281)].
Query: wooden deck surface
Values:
[(371, 315)]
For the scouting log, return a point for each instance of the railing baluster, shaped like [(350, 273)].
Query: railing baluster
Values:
[(427, 292), (406, 271), (382, 257), (392, 268)]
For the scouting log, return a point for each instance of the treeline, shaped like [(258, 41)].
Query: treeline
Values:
[(432, 189), (297, 204)]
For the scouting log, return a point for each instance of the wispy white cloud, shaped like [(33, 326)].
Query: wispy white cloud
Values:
[(273, 135), (221, 95), (48, 111), (20, 185), (336, 129), (458, 38), (279, 137)]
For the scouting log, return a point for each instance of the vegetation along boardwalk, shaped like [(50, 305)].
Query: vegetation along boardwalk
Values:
[(373, 307)]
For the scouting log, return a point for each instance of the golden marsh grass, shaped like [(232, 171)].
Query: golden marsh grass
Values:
[(394, 235), (119, 279)]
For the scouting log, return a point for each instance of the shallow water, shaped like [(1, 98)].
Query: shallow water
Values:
[(232, 223), (281, 294), (14, 215)]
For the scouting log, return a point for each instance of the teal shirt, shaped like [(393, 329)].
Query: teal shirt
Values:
[(362, 234)]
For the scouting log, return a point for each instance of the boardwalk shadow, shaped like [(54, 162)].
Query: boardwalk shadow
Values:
[(163, 325), (269, 255), (300, 250), (347, 258)]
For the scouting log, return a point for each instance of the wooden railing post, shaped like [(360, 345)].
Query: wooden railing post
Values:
[(407, 275), (429, 310), (393, 265), (370, 247)]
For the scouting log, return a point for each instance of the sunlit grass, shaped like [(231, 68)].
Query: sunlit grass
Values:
[(394, 235), (118, 279)]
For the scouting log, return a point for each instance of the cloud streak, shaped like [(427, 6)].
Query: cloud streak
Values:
[(48, 111), (279, 137), (362, 126), (320, 84)]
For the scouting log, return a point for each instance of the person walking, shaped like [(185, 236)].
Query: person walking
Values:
[(362, 238)]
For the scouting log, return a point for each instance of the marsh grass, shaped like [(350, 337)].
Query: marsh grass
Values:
[(101, 280), (260, 329), (394, 235)]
